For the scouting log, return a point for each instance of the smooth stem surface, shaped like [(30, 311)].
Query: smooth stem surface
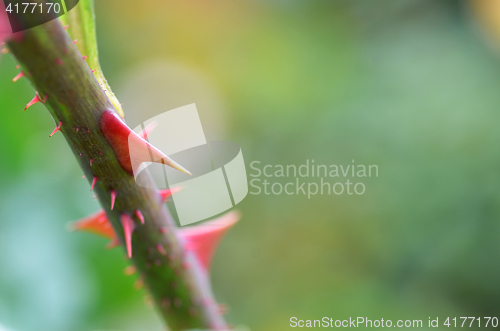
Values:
[(55, 67)]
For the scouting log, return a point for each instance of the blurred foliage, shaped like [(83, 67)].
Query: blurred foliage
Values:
[(408, 85)]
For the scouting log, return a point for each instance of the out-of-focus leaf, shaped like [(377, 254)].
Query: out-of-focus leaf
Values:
[(80, 23)]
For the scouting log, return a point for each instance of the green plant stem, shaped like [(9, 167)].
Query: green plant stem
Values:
[(57, 71)]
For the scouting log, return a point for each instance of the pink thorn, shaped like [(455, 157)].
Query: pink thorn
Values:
[(128, 227), (58, 128), (59, 61), (66, 27), (165, 194), (45, 98), (160, 249), (76, 40), (113, 198), (85, 57), (32, 102), (84, 176), (91, 161), (19, 76), (93, 70), (18, 66), (139, 215), (93, 183), (203, 239), (77, 129)]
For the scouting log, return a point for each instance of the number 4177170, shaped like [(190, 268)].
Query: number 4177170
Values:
[(34, 8)]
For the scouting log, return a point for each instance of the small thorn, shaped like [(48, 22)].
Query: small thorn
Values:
[(59, 61), (18, 66), (77, 129), (85, 57), (160, 249), (76, 40), (93, 70), (130, 270), (45, 98), (162, 230), (91, 161), (19, 76), (58, 128), (84, 176), (113, 198), (80, 154), (128, 228), (139, 215), (32, 102), (66, 27), (93, 183)]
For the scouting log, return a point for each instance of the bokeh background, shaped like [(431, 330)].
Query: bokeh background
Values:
[(412, 86)]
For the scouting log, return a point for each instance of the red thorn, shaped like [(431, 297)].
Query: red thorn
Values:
[(139, 215), (85, 57), (32, 102), (19, 76), (113, 198), (45, 98), (93, 183), (203, 239), (18, 66), (130, 148), (59, 61), (128, 227), (96, 223), (58, 128), (76, 40), (165, 194), (162, 229), (91, 161), (77, 129), (160, 249), (66, 27), (93, 70), (84, 176)]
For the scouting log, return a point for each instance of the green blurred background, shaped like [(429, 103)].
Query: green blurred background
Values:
[(409, 85)]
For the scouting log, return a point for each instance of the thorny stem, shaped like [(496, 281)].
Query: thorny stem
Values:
[(179, 286)]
